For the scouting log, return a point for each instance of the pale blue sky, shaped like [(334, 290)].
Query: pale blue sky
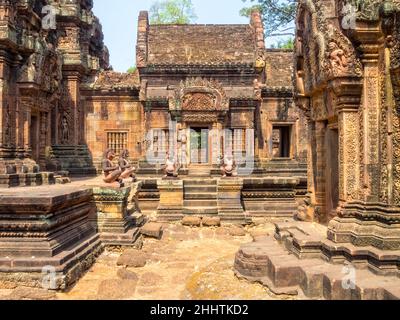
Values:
[(119, 20)]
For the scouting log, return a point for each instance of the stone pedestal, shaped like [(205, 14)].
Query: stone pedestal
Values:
[(229, 200), (46, 238), (75, 159), (272, 197), (367, 225), (170, 207), (21, 173), (114, 215)]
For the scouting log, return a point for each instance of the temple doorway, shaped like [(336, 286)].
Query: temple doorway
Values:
[(34, 137), (199, 146), (332, 170)]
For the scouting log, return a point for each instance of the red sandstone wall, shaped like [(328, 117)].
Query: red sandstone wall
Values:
[(114, 114)]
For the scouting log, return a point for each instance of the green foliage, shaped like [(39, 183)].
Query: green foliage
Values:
[(172, 12), (284, 44), (131, 69), (276, 14)]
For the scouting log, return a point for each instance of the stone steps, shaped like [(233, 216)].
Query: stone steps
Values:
[(200, 189), (200, 203), (200, 211), (199, 172), (302, 239), (199, 182), (268, 262), (200, 197)]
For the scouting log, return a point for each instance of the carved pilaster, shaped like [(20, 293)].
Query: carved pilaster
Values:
[(348, 97)]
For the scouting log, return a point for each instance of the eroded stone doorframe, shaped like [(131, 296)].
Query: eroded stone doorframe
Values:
[(332, 169), (34, 136)]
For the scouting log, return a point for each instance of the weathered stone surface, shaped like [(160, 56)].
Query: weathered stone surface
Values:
[(237, 231), (191, 221), (53, 230), (112, 217), (25, 293), (132, 258), (170, 207), (150, 279), (211, 221), (125, 274), (117, 289), (268, 262), (152, 229)]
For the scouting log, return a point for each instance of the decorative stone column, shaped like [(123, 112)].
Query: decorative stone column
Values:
[(72, 85), (366, 219), (114, 217), (348, 95), (170, 207), (230, 207)]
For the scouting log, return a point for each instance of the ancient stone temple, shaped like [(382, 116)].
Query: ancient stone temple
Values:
[(199, 99), (220, 130), (42, 113), (347, 84), (194, 100)]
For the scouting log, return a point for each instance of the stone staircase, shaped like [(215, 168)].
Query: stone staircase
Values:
[(200, 197), (199, 171), (268, 261)]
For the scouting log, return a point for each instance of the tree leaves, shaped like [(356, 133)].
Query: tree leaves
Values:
[(172, 12), (276, 14)]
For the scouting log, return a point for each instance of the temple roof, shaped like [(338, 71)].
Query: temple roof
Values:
[(201, 44), (279, 67), (116, 80)]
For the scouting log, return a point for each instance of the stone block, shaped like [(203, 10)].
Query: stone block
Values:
[(116, 289), (132, 259), (127, 275), (153, 230), (236, 231), (191, 221), (170, 207), (52, 229), (211, 221), (112, 217)]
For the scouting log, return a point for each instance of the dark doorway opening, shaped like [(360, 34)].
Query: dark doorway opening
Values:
[(281, 140)]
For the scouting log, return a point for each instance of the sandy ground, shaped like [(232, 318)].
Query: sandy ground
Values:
[(188, 263)]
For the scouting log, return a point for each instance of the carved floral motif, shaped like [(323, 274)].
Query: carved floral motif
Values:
[(199, 94)]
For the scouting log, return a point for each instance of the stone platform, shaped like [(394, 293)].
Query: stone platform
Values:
[(299, 260), (46, 232), (114, 217), (234, 200)]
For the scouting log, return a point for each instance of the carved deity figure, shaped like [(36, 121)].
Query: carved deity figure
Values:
[(64, 130), (112, 173), (183, 150), (128, 171), (337, 57), (260, 60), (170, 167), (227, 166)]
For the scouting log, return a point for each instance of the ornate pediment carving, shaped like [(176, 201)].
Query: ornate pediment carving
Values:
[(199, 94), (198, 101)]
